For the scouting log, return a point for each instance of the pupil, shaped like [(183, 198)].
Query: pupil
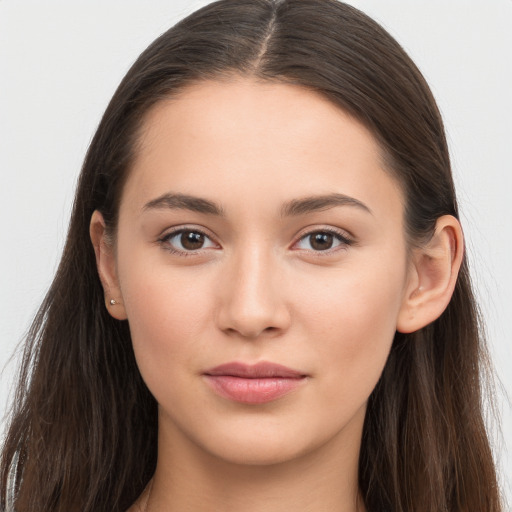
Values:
[(321, 241), (191, 240)]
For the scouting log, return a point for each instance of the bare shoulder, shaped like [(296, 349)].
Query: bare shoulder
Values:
[(141, 504), (137, 506)]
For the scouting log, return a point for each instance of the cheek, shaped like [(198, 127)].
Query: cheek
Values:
[(166, 312), (352, 318)]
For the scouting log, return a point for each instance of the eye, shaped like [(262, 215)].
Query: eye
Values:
[(322, 240), (187, 240)]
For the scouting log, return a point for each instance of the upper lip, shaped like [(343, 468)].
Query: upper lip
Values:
[(260, 370)]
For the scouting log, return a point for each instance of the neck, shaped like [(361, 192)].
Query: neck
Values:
[(189, 478)]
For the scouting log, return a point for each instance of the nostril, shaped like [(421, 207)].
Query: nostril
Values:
[(252, 333), (252, 307)]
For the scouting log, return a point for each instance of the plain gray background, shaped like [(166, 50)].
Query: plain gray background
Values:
[(60, 62)]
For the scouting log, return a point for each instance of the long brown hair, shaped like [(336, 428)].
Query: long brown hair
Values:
[(83, 427)]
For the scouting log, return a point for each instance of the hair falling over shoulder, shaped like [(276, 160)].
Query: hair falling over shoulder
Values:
[(83, 426)]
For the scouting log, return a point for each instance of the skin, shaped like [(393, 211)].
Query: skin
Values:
[(259, 289)]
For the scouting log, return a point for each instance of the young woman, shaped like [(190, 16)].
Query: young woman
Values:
[(263, 302)]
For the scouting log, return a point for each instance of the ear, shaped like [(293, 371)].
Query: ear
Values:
[(433, 274), (106, 264)]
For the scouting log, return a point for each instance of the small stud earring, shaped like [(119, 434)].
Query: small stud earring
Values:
[(113, 302)]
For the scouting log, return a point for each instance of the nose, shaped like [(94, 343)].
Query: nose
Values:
[(252, 296)]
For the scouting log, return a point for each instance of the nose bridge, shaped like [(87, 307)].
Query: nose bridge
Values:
[(252, 298)]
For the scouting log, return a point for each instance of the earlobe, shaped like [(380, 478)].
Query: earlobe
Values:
[(433, 276), (106, 265)]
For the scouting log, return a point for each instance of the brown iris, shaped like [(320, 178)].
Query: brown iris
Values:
[(192, 240), (321, 241)]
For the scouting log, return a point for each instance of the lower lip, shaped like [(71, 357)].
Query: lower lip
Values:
[(253, 391)]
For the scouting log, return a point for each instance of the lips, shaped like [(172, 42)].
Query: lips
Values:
[(253, 384)]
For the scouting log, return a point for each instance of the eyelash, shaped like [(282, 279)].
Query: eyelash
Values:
[(164, 241), (341, 237)]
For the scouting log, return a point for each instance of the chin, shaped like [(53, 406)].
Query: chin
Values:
[(266, 445), (260, 453)]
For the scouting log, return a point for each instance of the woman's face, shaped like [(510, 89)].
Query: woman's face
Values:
[(258, 225)]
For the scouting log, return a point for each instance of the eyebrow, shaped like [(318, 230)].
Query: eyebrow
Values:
[(291, 208), (184, 202), (319, 203)]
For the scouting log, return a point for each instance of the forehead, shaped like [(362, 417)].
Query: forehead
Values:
[(256, 140)]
